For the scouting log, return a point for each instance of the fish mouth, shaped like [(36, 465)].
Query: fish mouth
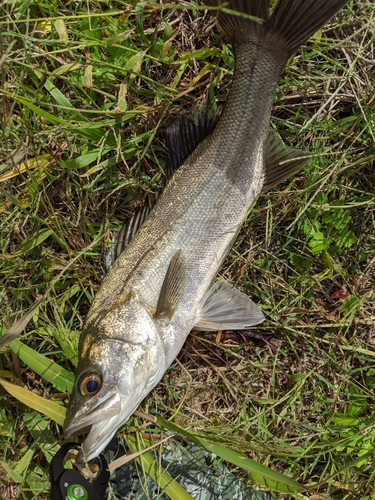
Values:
[(98, 438), (100, 420)]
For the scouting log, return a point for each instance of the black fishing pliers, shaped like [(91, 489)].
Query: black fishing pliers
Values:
[(69, 484)]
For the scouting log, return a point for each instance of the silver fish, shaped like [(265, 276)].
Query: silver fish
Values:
[(160, 287)]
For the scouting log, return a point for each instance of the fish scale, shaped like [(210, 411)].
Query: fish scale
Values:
[(161, 286)]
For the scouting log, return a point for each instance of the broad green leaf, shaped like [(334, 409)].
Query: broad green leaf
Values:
[(60, 27), (87, 158), (49, 408), (319, 242), (300, 261), (42, 435), (24, 461), (45, 367), (88, 76), (41, 112), (33, 241), (134, 64), (62, 100), (345, 421), (346, 238), (12, 473), (339, 218), (122, 104)]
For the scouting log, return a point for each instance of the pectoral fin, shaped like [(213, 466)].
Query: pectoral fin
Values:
[(173, 287), (226, 308)]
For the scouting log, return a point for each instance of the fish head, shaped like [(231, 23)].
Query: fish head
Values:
[(121, 360)]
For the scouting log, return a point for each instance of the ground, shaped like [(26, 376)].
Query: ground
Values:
[(87, 91)]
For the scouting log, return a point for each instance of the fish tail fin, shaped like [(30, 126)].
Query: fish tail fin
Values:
[(291, 21), (296, 20), (240, 18)]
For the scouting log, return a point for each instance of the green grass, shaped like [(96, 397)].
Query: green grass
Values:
[(87, 89)]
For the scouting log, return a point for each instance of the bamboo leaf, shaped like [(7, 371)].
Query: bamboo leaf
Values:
[(46, 368), (41, 112), (33, 241), (48, 408), (12, 473)]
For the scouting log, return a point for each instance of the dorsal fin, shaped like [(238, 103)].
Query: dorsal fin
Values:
[(122, 238), (186, 132), (183, 135)]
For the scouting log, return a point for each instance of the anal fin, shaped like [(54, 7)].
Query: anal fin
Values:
[(226, 308)]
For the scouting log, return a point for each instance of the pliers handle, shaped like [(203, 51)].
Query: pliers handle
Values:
[(68, 484)]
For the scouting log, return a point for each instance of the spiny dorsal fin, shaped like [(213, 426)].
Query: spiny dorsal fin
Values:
[(185, 133), (281, 161), (226, 308), (172, 288)]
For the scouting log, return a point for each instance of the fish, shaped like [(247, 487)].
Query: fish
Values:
[(162, 285)]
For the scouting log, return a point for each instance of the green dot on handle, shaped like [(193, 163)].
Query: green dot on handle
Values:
[(76, 492)]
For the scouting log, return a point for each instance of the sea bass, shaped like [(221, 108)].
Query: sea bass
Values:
[(161, 286)]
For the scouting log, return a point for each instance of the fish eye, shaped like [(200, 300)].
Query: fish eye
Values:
[(90, 384)]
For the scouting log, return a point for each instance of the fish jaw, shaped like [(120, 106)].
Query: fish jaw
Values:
[(102, 422), (125, 352), (99, 437)]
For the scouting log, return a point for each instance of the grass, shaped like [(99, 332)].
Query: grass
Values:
[(87, 90)]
